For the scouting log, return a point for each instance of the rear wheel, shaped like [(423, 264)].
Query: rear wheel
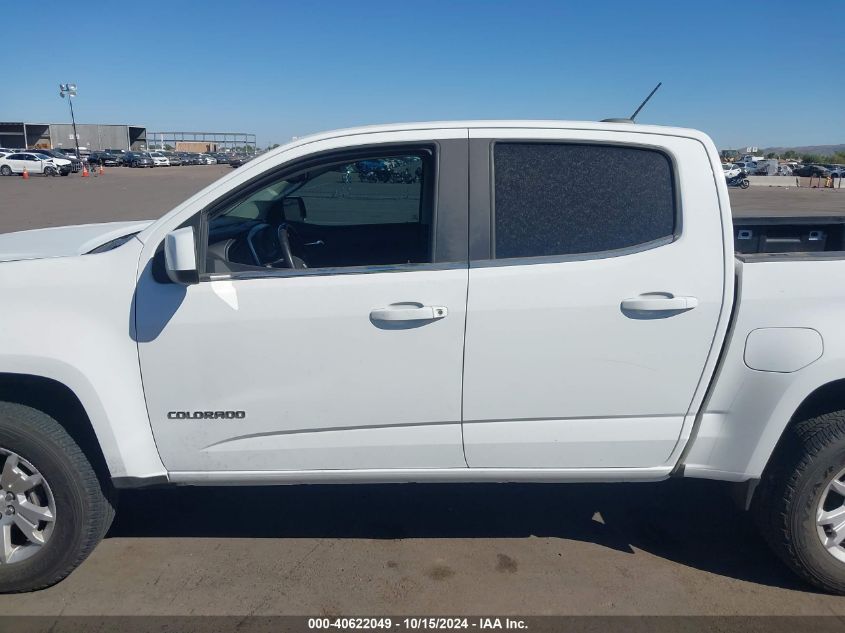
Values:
[(54, 509), (6, 170), (800, 506), (745, 183)]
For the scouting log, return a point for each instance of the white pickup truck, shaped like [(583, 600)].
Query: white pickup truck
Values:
[(443, 302)]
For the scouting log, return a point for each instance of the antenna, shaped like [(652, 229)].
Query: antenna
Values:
[(642, 105), (637, 111)]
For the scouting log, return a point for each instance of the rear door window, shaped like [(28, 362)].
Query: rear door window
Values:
[(570, 199)]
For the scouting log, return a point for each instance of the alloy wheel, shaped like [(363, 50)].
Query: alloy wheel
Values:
[(28, 509)]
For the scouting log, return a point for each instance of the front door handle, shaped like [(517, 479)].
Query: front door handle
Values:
[(659, 303), (409, 312)]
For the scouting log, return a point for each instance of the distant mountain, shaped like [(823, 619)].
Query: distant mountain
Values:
[(824, 150)]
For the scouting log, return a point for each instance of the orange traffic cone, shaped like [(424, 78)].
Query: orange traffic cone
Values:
[(25, 174), (85, 173), (102, 171)]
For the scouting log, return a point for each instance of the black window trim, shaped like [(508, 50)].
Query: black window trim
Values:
[(491, 261), (318, 158)]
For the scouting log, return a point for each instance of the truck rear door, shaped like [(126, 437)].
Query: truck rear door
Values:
[(597, 282)]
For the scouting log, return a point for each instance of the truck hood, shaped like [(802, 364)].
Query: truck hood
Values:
[(64, 241)]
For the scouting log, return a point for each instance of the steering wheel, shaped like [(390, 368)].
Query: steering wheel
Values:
[(271, 248), (287, 253)]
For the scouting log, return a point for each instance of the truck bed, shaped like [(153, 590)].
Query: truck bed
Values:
[(814, 236)]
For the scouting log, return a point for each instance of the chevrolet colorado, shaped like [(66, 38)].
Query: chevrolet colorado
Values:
[(442, 302)]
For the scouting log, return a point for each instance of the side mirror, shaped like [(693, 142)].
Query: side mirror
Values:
[(294, 209), (180, 256)]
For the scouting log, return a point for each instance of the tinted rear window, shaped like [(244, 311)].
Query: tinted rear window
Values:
[(568, 199)]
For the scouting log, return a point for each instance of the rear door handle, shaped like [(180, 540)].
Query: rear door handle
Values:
[(409, 312), (659, 303)]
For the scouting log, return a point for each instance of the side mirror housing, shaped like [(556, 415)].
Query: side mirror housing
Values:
[(180, 256), (294, 209)]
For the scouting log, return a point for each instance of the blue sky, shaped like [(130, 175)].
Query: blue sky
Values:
[(745, 72)]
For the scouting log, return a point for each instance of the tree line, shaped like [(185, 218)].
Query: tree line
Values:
[(837, 158)]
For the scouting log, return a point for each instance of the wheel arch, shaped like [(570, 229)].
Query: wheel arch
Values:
[(826, 398), (62, 404)]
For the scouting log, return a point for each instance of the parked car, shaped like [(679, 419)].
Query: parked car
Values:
[(173, 158), (137, 159), (32, 162), (159, 159), (222, 158), (811, 170), (70, 153), (207, 159), (837, 171), (121, 153), (730, 170), (105, 158), (75, 163), (63, 164), (784, 170), (237, 161), (189, 158)]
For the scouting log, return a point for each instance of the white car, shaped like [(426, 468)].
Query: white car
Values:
[(65, 165), (159, 159), (731, 170), (207, 159), (358, 306), (32, 162)]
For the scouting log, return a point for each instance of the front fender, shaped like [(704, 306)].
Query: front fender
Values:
[(69, 319)]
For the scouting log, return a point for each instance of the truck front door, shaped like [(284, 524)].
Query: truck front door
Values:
[(327, 329)]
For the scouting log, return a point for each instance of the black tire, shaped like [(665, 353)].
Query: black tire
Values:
[(811, 453), (84, 510), (745, 184), (49, 171), (5, 170)]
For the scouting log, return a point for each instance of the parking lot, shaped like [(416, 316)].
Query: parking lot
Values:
[(141, 194), (119, 194), (678, 547)]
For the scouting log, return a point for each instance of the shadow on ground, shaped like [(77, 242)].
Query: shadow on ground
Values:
[(690, 522)]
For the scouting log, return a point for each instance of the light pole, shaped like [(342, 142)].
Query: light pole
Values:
[(69, 91)]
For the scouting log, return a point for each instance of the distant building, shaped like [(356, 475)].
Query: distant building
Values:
[(195, 146), (202, 141), (60, 135)]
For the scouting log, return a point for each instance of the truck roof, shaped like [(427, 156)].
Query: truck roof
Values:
[(519, 123)]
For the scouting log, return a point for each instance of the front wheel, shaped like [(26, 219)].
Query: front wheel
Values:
[(49, 171), (53, 508), (745, 184), (800, 505)]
